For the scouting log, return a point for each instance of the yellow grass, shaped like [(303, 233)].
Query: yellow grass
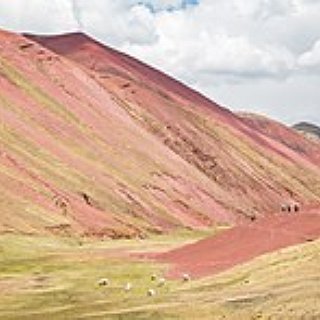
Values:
[(56, 278)]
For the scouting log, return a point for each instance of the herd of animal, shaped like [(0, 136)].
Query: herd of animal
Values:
[(160, 282)]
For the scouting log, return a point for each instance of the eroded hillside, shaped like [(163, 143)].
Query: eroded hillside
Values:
[(95, 142)]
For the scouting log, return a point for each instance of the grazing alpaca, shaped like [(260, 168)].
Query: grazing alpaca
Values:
[(186, 277), (127, 287), (103, 282), (151, 292), (161, 282)]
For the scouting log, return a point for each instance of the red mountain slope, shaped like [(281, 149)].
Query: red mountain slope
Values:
[(288, 137), (242, 243), (93, 141)]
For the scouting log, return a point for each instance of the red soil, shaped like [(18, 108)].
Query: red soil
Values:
[(242, 243), (284, 135), (102, 59), (149, 153), (152, 154)]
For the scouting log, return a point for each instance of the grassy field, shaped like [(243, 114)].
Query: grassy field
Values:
[(54, 278)]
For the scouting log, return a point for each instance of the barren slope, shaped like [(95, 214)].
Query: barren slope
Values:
[(93, 141), (243, 243), (285, 135)]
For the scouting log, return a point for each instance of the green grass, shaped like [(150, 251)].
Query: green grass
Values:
[(56, 278)]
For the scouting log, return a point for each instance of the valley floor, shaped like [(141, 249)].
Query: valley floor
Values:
[(53, 278)]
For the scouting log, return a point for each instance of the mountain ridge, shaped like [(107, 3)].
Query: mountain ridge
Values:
[(95, 143), (310, 130)]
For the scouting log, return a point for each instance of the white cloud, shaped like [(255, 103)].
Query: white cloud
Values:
[(311, 59), (197, 42), (118, 22), (37, 15), (215, 45)]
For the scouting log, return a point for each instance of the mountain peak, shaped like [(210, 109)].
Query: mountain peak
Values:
[(104, 144), (68, 35), (308, 129)]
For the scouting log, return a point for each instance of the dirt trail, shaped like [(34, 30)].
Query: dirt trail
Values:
[(242, 243)]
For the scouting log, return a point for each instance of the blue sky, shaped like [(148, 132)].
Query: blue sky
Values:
[(174, 5), (257, 55)]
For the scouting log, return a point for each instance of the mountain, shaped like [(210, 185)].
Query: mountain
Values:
[(308, 129), (94, 142), (283, 134)]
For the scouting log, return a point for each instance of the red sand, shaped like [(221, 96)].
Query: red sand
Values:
[(151, 153), (242, 243)]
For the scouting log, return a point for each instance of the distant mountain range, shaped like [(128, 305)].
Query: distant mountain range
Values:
[(308, 129)]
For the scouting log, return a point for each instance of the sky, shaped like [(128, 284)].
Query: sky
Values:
[(260, 56)]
